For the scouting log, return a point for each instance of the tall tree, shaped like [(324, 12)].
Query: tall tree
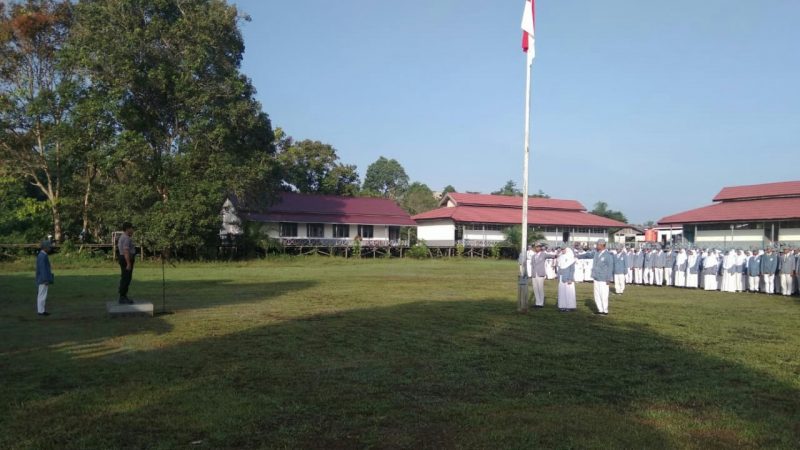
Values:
[(448, 189), (418, 199), (313, 167), (36, 97), (387, 178), (509, 189), (601, 209), (188, 129)]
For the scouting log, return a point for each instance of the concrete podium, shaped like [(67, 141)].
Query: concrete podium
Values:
[(115, 309)]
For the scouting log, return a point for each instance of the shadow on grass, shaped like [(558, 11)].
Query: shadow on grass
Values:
[(432, 374)]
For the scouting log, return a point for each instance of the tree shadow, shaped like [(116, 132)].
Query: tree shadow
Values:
[(427, 374)]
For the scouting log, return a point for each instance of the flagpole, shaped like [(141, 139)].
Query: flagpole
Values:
[(522, 294)]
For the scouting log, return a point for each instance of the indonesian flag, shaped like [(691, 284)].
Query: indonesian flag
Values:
[(528, 25)]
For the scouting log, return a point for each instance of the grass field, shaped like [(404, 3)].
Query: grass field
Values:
[(336, 353)]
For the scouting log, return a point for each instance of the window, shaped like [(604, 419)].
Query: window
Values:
[(365, 231), (315, 230), (288, 229), (394, 233), (341, 231)]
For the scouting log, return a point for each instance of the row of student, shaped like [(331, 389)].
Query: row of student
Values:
[(709, 269)]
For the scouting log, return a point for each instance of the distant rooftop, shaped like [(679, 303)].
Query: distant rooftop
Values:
[(308, 208), (505, 201), (758, 202), (759, 191)]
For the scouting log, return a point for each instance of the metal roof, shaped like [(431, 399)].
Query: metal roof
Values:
[(510, 216), (739, 211), (309, 208), (759, 191)]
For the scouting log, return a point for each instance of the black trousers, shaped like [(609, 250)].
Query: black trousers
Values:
[(125, 276)]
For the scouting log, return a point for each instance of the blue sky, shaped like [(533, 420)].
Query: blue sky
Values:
[(651, 106)]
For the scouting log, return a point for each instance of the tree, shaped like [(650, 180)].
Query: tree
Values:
[(601, 209), (36, 97), (387, 178), (510, 189), (188, 129), (513, 236), (540, 194), (313, 167), (448, 189), (418, 199)]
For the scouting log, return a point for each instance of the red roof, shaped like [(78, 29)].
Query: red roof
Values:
[(505, 201), (740, 211), (293, 207), (501, 215), (768, 190)]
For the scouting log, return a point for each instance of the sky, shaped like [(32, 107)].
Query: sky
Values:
[(650, 106)]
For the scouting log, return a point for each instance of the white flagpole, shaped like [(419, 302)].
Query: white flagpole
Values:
[(523, 284)]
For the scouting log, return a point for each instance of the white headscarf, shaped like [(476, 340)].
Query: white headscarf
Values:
[(711, 260), (681, 258), (566, 259), (730, 260)]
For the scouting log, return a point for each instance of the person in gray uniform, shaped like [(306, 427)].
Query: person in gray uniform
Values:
[(669, 266), (786, 266), (638, 267), (769, 265), (538, 273), (754, 272), (602, 274)]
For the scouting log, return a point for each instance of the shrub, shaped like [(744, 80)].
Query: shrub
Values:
[(460, 249), (419, 251), (495, 251)]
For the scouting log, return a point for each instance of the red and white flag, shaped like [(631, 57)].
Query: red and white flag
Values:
[(528, 25)]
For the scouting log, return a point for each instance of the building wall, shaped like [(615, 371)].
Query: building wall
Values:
[(789, 235), (728, 239), (380, 232), (438, 232), (487, 235)]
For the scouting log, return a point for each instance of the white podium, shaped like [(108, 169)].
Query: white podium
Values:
[(116, 309)]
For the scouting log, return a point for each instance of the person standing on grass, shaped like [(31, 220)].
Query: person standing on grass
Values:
[(660, 262), (769, 265), (710, 267), (538, 272), (602, 274), (786, 265), (681, 263), (629, 262), (620, 271), (44, 277), (795, 281), (127, 257), (638, 266), (693, 268), (566, 281), (649, 266), (669, 267), (753, 271)]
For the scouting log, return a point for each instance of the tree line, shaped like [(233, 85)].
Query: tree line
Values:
[(137, 109), (114, 110)]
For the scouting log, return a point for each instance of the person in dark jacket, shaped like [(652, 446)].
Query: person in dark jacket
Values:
[(44, 277)]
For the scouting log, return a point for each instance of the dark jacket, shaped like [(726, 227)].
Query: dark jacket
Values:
[(43, 272)]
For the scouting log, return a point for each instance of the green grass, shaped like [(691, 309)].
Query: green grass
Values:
[(321, 352)]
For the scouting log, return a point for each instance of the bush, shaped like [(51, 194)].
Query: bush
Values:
[(460, 249), (419, 251), (495, 251)]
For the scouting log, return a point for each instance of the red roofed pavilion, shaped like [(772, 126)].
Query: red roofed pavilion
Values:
[(306, 220), (745, 216), (480, 220)]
